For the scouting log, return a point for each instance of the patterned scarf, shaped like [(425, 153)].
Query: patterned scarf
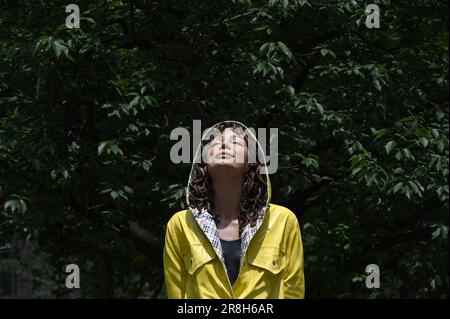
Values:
[(209, 227)]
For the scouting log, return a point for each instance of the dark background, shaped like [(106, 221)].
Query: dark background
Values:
[(86, 114)]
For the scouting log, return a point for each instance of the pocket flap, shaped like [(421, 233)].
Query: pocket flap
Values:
[(269, 258), (196, 256)]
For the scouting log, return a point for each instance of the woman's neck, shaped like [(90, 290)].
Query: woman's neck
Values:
[(227, 197)]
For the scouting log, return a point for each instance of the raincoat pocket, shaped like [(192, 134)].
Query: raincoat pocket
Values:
[(269, 258), (195, 257)]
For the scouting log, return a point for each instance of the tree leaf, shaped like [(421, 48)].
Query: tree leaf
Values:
[(390, 146)]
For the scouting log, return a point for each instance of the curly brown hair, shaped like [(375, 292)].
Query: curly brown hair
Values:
[(254, 192)]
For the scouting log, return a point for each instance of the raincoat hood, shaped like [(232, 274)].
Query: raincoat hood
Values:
[(205, 219)]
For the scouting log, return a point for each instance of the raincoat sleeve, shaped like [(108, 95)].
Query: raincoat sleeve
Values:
[(174, 269), (294, 280)]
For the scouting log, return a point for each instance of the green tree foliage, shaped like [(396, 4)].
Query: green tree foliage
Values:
[(86, 114)]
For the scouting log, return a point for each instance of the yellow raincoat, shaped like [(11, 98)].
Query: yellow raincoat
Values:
[(271, 262)]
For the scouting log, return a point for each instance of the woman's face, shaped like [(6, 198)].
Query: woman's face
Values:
[(227, 149)]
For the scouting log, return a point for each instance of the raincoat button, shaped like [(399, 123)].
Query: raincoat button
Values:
[(191, 260), (273, 262)]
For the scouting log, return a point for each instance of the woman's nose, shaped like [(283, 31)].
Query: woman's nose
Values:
[(223, 143)]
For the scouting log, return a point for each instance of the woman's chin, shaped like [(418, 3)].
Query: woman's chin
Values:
[(225, 166)]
